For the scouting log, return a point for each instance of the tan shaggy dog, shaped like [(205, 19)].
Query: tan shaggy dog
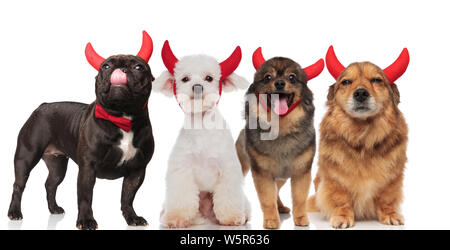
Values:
[(362, 150)]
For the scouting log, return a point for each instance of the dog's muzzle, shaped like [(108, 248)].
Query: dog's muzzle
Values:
[(118, 77), (280, 84), (198, 90), (361, 95)]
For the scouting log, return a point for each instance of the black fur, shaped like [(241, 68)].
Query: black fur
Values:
[(56, 132)]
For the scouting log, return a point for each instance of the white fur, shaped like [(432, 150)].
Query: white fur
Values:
[(202, 159), (127, 147), (373, 108)]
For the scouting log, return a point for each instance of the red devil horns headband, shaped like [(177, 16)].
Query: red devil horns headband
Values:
[(393, 72), (227, 67), (145, 52), (310, 71)]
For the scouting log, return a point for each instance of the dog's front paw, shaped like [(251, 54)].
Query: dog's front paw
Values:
[(177, 222), (87, 224), (136, 221), (342, 222), (234, 221), (15, 214), (301, 221), (271, 223), (56, 210), (394, 219)]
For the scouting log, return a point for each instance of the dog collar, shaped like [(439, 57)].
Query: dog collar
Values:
[(292, 107), (121, 122)]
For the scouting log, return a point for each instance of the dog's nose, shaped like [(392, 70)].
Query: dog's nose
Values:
[(197, 89), (280, 84), (361, 95)]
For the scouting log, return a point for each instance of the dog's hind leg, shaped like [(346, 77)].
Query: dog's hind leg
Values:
[(281, 207), (57, 167), (24, 161), (31, 143)]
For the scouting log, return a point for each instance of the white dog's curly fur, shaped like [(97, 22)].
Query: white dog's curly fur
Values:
[(204, 178)]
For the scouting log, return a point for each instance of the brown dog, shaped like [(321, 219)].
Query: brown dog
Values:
[(289, 154), (362, 150)]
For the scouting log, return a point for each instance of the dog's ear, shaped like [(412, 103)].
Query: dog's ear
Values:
[(234, 82), (164, 83), (396, 93), (331, 92)]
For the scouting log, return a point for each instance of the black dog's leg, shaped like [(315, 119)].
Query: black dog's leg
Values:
[(24, 161), (57, 167), (131, 184), (85, 186)]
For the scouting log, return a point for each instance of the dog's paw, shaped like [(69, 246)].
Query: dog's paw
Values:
[(15, 214), (136, 221), (234, 221), (271, 223), (177, 222), (394, 219), (56, 210), (87, 224), (301, 221), (342, 222)]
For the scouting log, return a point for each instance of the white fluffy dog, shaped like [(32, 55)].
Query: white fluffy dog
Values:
[(204, 177)]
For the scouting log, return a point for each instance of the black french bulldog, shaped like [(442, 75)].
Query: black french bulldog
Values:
[(109, 139)]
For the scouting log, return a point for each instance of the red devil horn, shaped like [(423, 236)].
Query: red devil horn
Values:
[(314, 70), (333, 65), (93, 58), (228, 66), (258, 58), (168, 57), (395, 70), (147, 47)]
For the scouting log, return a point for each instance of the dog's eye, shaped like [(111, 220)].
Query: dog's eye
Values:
[(375, 80), (268, 78), (185, 79), (106, 66), (292, 78), (208, 78), (346, 82), (138, 67)]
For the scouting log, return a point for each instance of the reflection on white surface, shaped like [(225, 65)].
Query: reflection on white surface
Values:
[(317, 222), (53, 220), (15, 225)]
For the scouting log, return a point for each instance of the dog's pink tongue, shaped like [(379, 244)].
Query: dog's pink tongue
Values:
[(280, 106), (118, 77)]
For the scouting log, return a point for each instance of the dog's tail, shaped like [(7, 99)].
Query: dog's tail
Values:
[(311, 205), (242, 153)]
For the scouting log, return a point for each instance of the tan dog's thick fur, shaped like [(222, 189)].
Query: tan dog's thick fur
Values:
[(362, 153)]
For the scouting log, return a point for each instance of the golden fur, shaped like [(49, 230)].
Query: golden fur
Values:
[(361, 159)]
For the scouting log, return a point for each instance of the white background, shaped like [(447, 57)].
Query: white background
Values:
[(42, 60)]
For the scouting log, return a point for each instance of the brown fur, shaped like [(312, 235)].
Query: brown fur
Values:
[(361, 161), (290, 155)]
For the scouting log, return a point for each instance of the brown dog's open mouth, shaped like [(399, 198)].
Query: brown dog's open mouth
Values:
[(279, 103)]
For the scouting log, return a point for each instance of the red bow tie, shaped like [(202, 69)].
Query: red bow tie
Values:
[(121, 122)]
